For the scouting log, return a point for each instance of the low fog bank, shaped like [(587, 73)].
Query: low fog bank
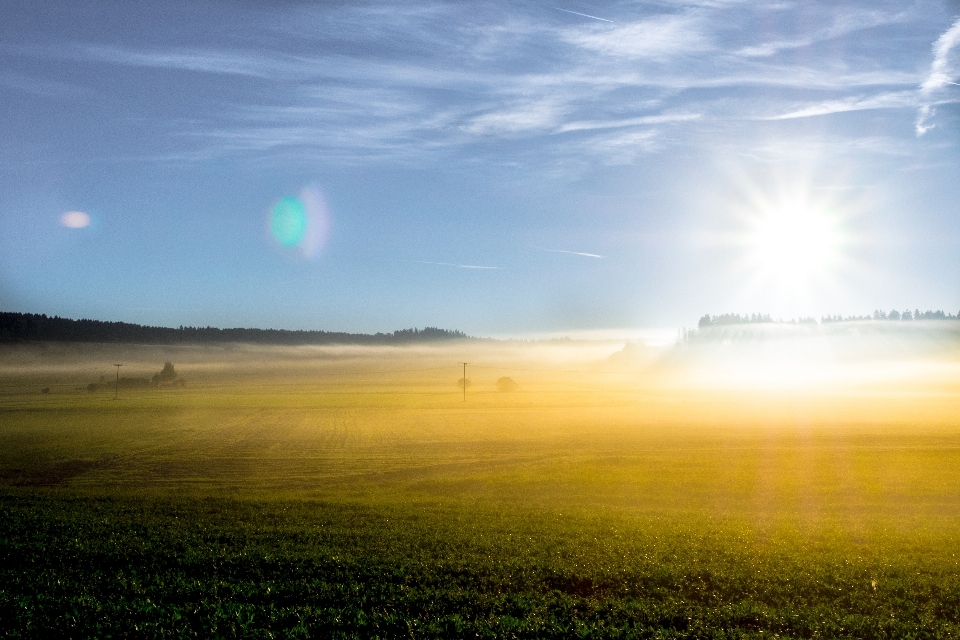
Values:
[(829, 356), (842, 340), (209, 361), (895, 355)]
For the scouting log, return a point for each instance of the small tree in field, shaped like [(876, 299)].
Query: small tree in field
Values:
[(167, 374), (506, 384)]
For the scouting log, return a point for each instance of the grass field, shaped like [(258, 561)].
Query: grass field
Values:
[(349, 492)]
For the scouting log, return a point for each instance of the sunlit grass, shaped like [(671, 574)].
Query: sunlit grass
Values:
[(605, 502)]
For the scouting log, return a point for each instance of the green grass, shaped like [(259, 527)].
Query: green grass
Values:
[(85, 567), (580, 506)]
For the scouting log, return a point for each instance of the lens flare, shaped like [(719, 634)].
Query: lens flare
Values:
[(300, 223), (288, 221), (75, 219)]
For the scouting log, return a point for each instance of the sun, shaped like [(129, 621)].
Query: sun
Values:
[(793, 243)]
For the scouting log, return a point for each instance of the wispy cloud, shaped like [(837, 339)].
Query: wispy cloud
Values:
[(42, 87), (361, 83), (656, 38), (942, 70), (809, 151), (592, 125), (264, 66), (895, 100), (523, 117), (842, 25), (621, 148)]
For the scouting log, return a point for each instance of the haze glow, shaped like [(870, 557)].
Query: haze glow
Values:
[(793, 243)]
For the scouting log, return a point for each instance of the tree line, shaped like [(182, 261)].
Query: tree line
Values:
[(702, 331), (754, 318), (24, 327), (893, 314)]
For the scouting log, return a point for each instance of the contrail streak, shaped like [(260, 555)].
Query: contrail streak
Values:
[(576, 253), (459, 266), (577, 13)]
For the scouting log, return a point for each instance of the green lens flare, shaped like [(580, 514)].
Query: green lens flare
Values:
[(288, 221)]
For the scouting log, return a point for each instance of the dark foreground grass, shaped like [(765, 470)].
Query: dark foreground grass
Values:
[(74, 566)]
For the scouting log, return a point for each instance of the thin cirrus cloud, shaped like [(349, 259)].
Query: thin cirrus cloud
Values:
[(42, 87), (895, 100), (842, 25), (432, 82), (943, 69), (263, 66), (586, 125), (656, 38), (523, 117)]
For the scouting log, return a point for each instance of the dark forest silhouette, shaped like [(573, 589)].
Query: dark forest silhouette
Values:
[(23, 327)]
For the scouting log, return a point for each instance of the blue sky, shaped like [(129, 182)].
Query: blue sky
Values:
[(499, 168)]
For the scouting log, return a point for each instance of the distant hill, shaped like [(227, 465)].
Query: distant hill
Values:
[(24, 327)]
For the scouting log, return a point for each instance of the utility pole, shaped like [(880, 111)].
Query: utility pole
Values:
[(116, 390), (465, 380)]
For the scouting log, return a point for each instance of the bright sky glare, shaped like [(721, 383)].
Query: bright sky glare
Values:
[(498, 168), (794, 243)]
